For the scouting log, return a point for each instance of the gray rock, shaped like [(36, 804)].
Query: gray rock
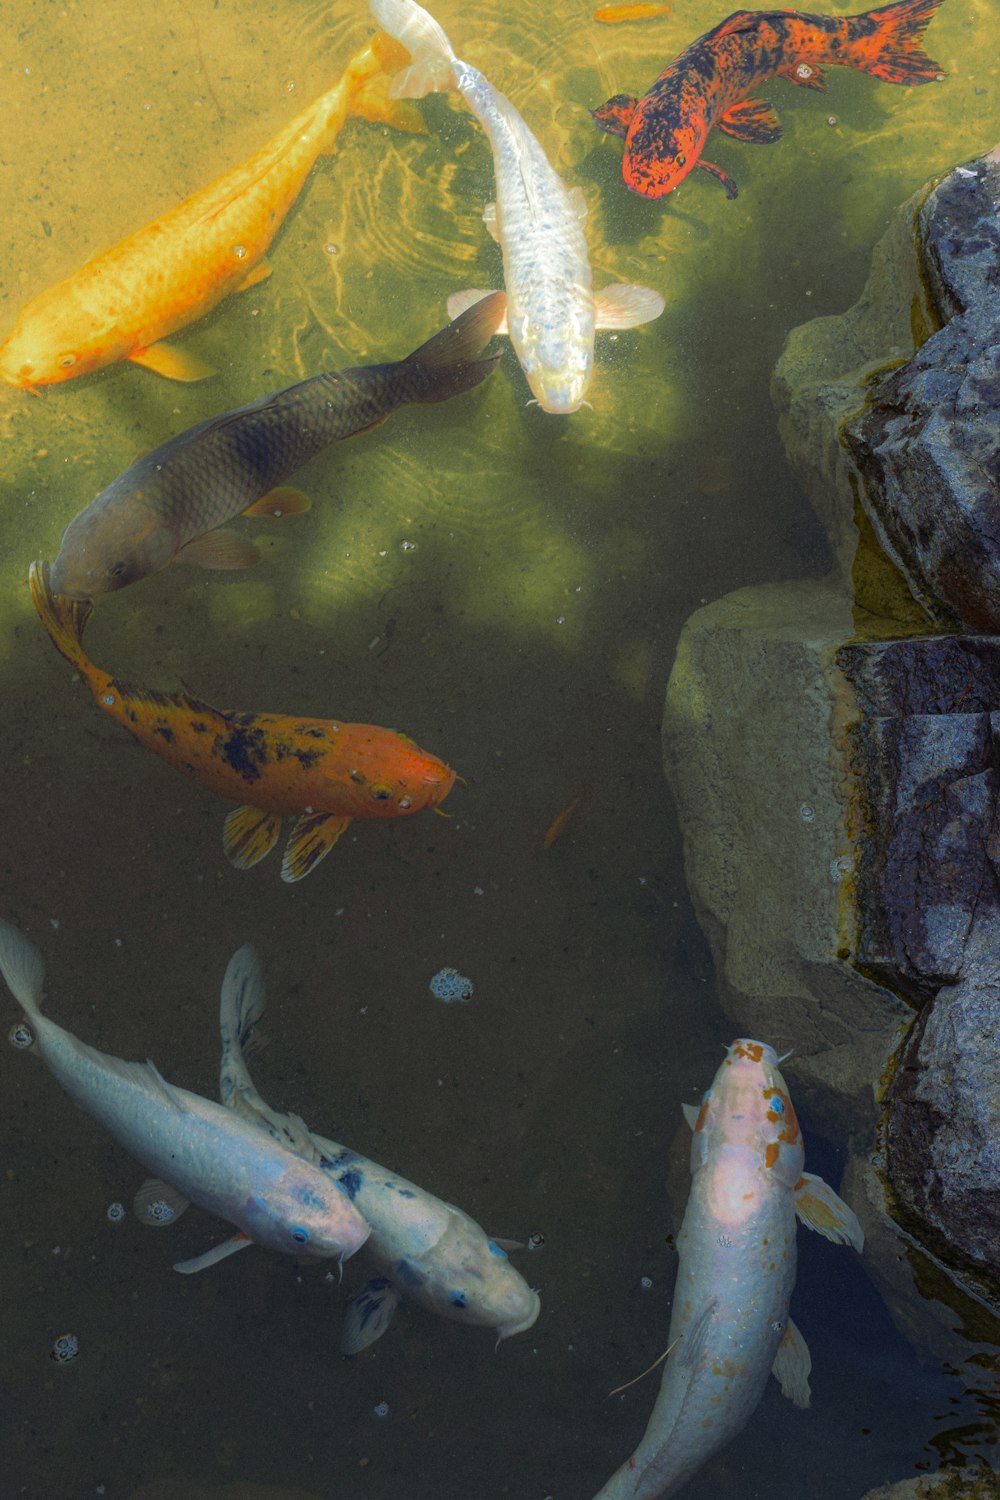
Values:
[(927, 443)]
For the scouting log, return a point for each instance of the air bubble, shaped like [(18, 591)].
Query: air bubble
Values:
[(116, 1213), (21, 1035), (240, 251), (382, 1410), (65, 1348)]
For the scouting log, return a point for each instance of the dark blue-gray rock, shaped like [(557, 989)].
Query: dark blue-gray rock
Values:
[(927, 444)]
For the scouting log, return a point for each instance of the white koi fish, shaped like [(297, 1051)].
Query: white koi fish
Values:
[(551, 309), (730, 1326), (419, 1247), (203, 1152)]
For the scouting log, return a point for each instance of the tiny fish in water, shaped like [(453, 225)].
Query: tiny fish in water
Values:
[(736, 1271), (710, 82), (420, 1248), (170, 505), (552, 311), (202, 1152), (324, 772), (611, 15), (124, 301)]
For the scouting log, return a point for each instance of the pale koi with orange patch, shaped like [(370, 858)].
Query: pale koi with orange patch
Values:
[(730, 1326)]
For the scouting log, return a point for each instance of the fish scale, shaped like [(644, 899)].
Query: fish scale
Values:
[(190, 485)]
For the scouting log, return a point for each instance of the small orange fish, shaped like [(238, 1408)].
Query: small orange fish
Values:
[(559, 822), (272, 764), (121, 303), (611, 15)]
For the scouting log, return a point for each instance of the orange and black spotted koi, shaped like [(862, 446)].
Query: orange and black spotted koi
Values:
[(709, 84), (325, 773)]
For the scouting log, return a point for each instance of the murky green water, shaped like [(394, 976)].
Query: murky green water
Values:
[(524, 633)]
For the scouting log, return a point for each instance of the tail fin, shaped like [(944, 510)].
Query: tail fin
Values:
[(243, 998), (64, 619), (430, 71), (22, 967), (886, 42), (447, 363)]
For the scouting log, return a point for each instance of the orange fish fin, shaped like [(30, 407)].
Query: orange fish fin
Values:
[(736, 22), (174, 364), (806, 75), (248, 834), (460, 302), (311, 840), (260, 272), (559, 823), (732, 191), (615, 116), (611, 15), (754, 121), (372, 102), (622, 306), (282, 501), (64, 619), (222, 550)]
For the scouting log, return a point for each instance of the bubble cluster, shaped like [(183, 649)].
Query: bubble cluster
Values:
[(116, 1212), (160, 1211), (65, 1348), (451, 986), (382, 1410), (21, 1035)]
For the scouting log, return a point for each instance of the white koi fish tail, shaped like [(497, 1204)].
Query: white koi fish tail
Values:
[(22, 967), (431, 70)]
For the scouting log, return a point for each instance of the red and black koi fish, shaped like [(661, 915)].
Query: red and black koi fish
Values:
[(710, 82)]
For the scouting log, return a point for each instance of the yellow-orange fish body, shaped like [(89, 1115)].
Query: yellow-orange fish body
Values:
[(323, 771), (122, 302)]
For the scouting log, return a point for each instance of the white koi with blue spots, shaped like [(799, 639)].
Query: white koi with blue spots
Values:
[(730, 1326), (552, 311), (420, 1247), (202, 1152)]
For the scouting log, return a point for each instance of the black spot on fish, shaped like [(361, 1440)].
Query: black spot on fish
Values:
[(245, 750), (199, 726), (311, 731), (351, 1182), (308, 758), (165, 733)]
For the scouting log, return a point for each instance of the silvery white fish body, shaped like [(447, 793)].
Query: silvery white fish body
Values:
[(420, 1247), (552, 312), (730, 1326), (201, 1151)]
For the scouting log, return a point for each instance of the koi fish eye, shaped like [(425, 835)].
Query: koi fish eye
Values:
[(381, 793), (300, 1235), (117, 570), (680, 159)]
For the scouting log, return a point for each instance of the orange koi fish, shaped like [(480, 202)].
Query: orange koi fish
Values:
[(710, 82), (325, 773), (123, 302)]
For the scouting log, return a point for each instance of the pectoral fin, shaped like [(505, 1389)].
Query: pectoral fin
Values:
[(280, 502), (693, 1338), (819, 1208), (490, 220), (260, 272), (624, 306), (691, 1113), (222, 550), (248, 834), (373, 102), (615, 116), (158, 1204), (753, 120), (310, 840), (174, 364), (732, 191), (368, 1315), (578, 203), (460, 302), (239, 1241), (791, 1367)]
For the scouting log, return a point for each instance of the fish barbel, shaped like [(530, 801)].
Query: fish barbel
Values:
[(202, 1151), (122, 302), (169, 504)]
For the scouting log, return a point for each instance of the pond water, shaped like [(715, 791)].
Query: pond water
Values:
[(505, 586)]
